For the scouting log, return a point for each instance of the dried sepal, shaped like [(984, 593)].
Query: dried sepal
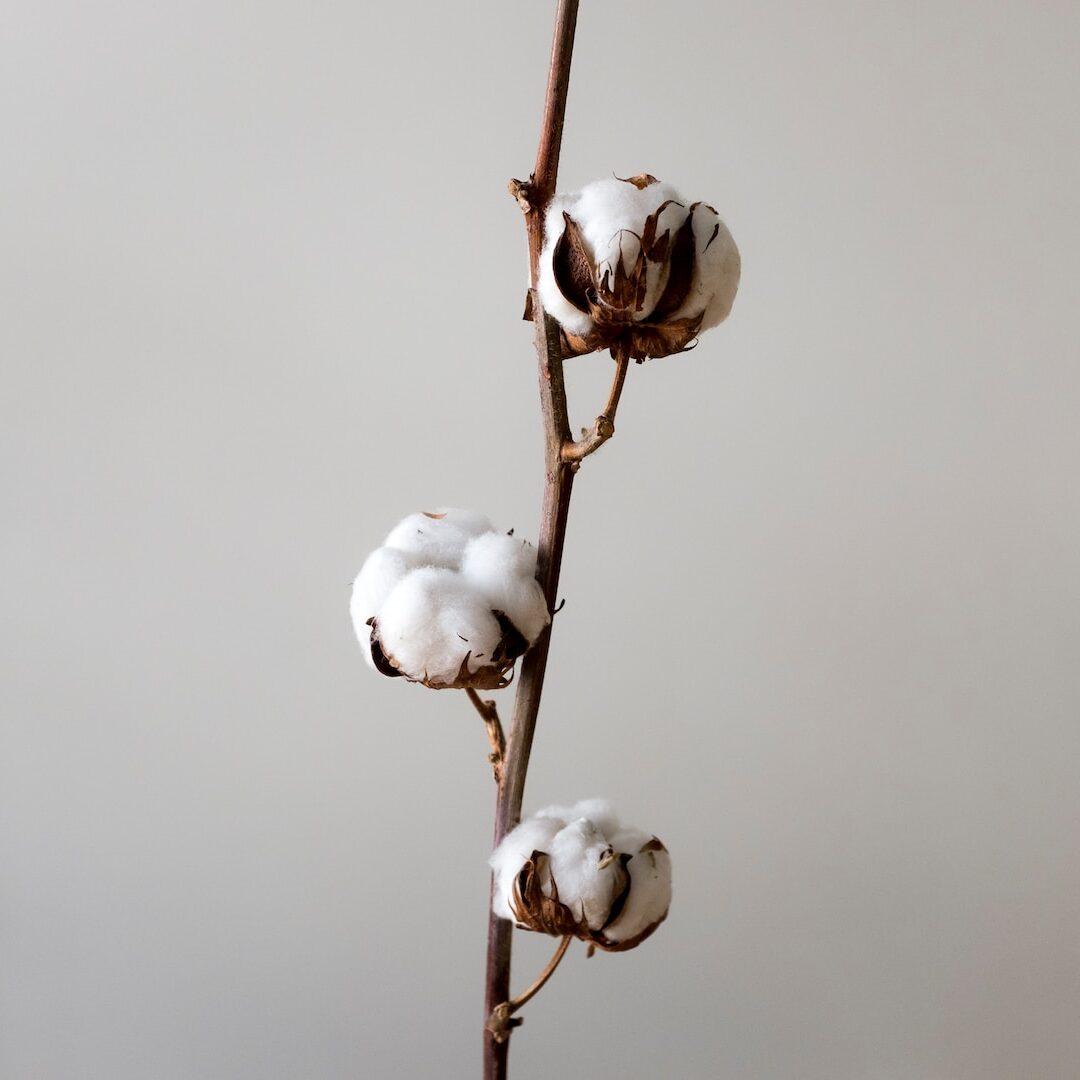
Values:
[(573, 265), (640, 181)]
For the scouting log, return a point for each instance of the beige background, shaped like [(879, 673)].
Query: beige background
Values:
[(260, 289)]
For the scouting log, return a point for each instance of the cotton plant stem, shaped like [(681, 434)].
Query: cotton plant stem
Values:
[(546, 173), (556, 506), (558, 483)]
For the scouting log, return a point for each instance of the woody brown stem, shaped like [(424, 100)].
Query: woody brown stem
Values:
[(558, 482), (604, 425), (500, 1023), (489, 713), (556, 506)]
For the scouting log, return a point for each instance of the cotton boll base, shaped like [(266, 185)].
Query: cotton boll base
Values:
[(574, 870)]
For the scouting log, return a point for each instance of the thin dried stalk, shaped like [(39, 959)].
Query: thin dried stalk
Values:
[(489, 713), (534, 197), (604, 425)]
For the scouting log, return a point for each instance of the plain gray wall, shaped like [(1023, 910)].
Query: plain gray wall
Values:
[(261, 286)]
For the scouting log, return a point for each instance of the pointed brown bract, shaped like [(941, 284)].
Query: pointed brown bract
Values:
[(573, 266)]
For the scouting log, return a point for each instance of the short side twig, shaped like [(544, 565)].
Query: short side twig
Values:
[(501, 1021), (489, 713), (604, 426)]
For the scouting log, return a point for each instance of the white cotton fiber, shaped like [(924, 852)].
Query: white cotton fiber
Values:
[(716, 271), (598, 811), (431, 621), (502, 568), (585, 871), (437, 537), (650, 887), (382, 570)]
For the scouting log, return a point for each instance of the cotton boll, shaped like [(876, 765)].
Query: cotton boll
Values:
[(585, 872), (382, 570), (502, 569), (632, 266), (607, 885), (437, 537), (649, 897), (431, 621), (533, 834)]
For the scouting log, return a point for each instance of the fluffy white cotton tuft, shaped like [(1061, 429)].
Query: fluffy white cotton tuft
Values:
[(432, 621), (598, 811), (586, 872), (437, 537), (382, 570), (650, 887), (716, 271), (502, 569), (433, 591), (614, 882)]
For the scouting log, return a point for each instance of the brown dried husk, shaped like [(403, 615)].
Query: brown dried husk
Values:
[(615, 301), (496, 674), (535, 910)]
